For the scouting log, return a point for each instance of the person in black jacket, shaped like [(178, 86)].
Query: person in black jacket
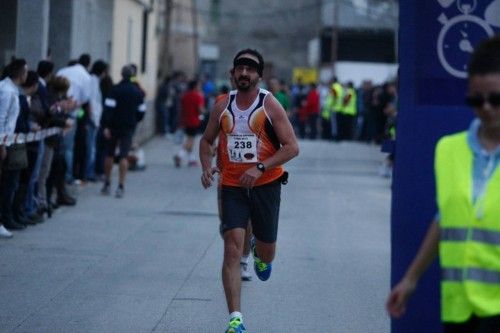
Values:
[(53, 166), (123, 109), (39, 114)]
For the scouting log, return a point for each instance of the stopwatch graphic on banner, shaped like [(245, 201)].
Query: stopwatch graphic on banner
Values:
[(460, 34)]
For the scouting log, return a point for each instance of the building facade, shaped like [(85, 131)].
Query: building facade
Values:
[(364, 35), (117, 31)]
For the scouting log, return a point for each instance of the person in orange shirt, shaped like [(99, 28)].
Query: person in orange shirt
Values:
[(255, 140)]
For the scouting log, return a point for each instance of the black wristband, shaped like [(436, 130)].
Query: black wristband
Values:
[(261, 167)]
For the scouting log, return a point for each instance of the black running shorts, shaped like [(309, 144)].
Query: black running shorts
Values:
[(260, 204), (121, 139), (191, 131)]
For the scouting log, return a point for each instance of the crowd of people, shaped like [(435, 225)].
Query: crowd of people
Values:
[(78, 105), (331, 111), (336, 111)]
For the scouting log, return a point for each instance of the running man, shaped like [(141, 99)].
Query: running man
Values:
[(245, 271), (255, 139)]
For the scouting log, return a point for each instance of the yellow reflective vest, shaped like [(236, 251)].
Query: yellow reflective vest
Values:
[(350, 108), (469, 246), (327, 107), (338, 98)]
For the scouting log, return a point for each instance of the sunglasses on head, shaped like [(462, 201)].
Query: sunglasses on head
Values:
[(477, 101)]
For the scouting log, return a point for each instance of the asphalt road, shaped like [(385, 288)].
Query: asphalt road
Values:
[(150, 262)]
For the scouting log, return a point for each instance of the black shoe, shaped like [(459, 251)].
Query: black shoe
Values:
[(36, 218), (41, 211), (66, 201), (120, 191), (12, 225), (21, 219), (53, 205), (92, 179), (105, 189)]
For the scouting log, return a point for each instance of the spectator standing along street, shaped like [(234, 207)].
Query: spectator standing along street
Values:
[(79, 90), (124, 108), (97, 73), (16, 73), (52, 170), (161, 98), (348, 114), (45, 70), (312, 105), (26, 122)]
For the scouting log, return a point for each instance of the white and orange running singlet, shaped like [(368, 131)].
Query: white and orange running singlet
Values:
[(246, 138)]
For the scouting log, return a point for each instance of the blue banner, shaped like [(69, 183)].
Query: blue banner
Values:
[(445, 41), (436, 40)]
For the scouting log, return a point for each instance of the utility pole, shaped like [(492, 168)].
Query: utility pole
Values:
[(335, 34), (194, 14), (165, 63)]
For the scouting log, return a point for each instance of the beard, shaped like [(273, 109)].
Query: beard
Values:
[(245, 83)]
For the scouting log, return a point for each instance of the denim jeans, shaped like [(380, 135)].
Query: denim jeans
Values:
[(69, 144), (30, 205), (45, 168), (91, 150), (9, 185)]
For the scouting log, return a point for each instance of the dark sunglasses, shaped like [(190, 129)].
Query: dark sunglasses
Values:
[(477, 101)]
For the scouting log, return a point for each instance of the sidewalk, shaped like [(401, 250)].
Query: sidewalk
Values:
[(150, 262)]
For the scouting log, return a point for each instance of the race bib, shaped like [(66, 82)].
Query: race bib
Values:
[(242, 148)]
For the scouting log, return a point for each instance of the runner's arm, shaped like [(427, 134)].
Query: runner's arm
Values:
[(206, 142), (284, 131)]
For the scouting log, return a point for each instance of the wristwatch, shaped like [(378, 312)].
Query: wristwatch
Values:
[(261, 167)]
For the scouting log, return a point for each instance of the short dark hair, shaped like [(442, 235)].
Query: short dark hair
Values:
[(84, 60), (254, 53), (192, 84), (31, 79), (134, 68), (486, 58), (127, 72), (16, 68), (44, 68), (99, 67)]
